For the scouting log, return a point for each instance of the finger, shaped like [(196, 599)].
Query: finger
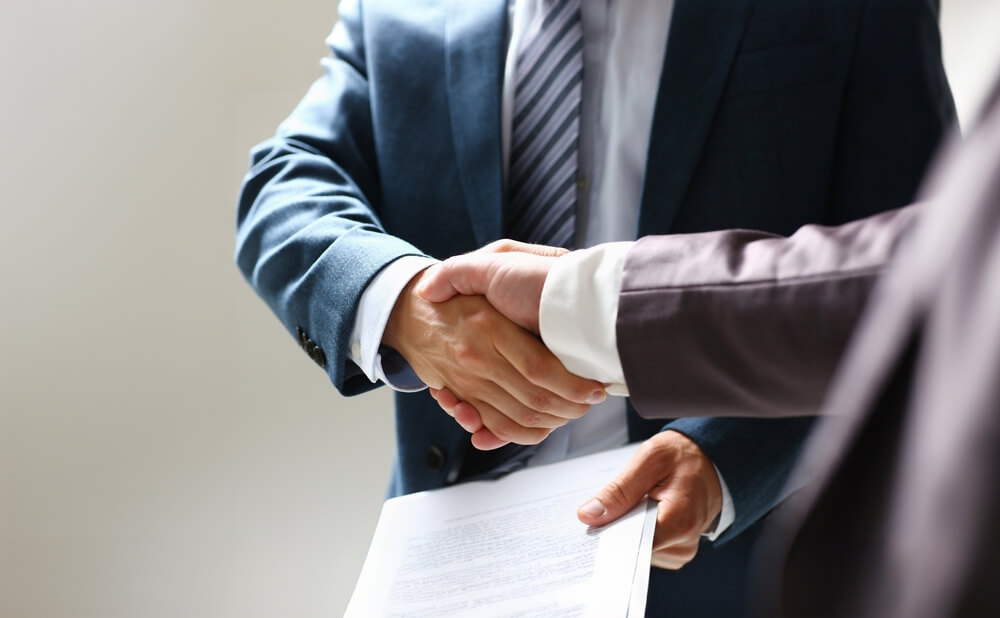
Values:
[(464, 414), (511, 407), (467, 417), (524, 403), (540, 367), (486, 440), (642, 473), (436, 394), (507, 245), (507, 388), (506, 430), (679, 518), (445, 398), (675, 556)]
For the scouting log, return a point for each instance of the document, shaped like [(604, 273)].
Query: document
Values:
[(509, 547)]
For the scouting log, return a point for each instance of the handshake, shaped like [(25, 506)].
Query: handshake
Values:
[(469, 328)]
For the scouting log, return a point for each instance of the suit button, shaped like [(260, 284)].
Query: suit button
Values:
[(301, 335), (317, 355), (435, 458)]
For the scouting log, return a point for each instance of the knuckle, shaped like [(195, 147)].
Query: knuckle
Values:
[(444, 268), (467, 355), (646, 451), (533, 418), (540, 401), (481, 320), (501, 246), (660, 447)]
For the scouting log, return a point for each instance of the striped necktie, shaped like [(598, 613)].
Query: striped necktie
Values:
[(545, 127)]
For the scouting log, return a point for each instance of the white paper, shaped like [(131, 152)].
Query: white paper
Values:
[(509, 547)]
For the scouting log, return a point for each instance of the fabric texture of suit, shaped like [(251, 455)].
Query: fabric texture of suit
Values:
[(761, 320), (900, 520), (770, 114)]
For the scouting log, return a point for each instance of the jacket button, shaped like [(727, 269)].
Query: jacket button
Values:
[(317, 355), (435, 458), (301, 334)]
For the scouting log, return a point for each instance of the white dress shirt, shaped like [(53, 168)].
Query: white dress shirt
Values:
[(624, 43)]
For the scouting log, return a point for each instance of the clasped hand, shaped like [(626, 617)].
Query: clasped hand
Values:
[(510, 386)]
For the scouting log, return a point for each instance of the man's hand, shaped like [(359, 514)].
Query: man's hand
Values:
[(673, 470), (508, 273), (519, 390)]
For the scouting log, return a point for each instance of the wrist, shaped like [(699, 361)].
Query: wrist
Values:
[(400, 317)]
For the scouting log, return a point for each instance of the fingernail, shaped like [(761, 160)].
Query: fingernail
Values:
[(597, 397), (594, 508)]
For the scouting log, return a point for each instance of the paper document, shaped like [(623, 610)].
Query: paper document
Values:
[(509, 547)]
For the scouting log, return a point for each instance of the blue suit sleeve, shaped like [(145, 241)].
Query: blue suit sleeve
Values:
[(309, 238)]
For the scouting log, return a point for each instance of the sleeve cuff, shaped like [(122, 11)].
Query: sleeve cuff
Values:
[(578, 310), (728, 513), (378, 362)]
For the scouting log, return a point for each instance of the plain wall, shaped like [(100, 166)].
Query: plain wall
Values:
[(165, 447)]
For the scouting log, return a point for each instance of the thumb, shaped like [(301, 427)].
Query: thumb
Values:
[(434, 285), (456, 275), (620, 495)]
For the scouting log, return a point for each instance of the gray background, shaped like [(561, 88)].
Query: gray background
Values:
[(165, 448)]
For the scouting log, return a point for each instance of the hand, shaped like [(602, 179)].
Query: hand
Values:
[(518, 388), (672, 469), (508, 273)]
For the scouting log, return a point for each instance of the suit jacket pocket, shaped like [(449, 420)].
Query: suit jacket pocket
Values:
[(781, 68)]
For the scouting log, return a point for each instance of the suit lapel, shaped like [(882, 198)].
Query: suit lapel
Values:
[(475, 46), (704, 38)]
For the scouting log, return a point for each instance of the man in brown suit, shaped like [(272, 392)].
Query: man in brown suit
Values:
[(902, 520)]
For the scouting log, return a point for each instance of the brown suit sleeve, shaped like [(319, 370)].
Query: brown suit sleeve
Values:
[(742, 323)]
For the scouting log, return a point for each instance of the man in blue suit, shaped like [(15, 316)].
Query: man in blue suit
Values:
[(695, 115)]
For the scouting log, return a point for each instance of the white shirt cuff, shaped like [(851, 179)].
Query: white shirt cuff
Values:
[(578, 309), (376, 361), (728, 513)]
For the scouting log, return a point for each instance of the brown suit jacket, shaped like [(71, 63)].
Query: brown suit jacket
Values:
[(903, 520)]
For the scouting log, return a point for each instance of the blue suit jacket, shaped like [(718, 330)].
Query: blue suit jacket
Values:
[(770, 114)]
